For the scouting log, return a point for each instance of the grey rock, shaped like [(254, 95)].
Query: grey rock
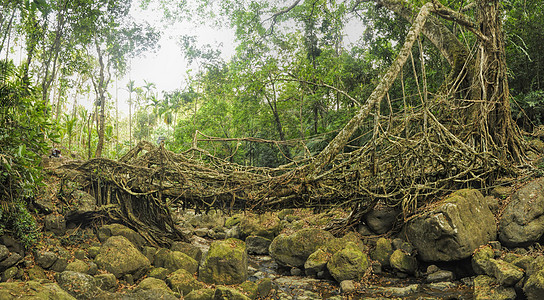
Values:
[(440, 276), (257, 245), (46, 259), (106, 282), (82, 204), (189, 249), (4, 252), (347, 286), (507, 274), (10, 261), (522, 221), (79, 285), (55, 223), (174, 260), (381, 219), (454, 228)]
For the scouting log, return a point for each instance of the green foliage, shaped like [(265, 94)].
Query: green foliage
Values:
[(23, 128), (528, 109)]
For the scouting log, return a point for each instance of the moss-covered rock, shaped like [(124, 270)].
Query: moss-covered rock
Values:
[(249, 288), (522, 221), (36, 273), (120, 257), (151, 283), (183, 282), (187, 248), (226, 293), (480, 259), (507, 274), (233, 220), (225, 263), (174, 260), (454, 228), (33, 290), (382, 252), (403, 262), (349, 263), (266, 225), (107, 231), (534, 286), (78, 266), (317, 262), (202, 294), (79, 285), (106, 282), (293, 250), (487, 288), (159, 273)]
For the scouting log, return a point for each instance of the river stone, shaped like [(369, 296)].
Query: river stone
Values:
[(223, 292), (347, 286), (187, 248), (120, 257), (107, 231), (78, 266), (183, 282), (348, 264), (174, 260), (507, 274), (383, 251), (106, 282), (440, 276), (55, 223), (293, 250), (336, 244), (202, 294), (522, 221), (480, 260), (11, 261), (151, 283), (82, 204), (225, 263), (403, 262), (257, 244), (152, 294), (33, 290), (36, 273), (317, 262), (454, 228), (381, 219), (79, 285), (10, 273), (159, 273), (486, 287), (534, 286), (63, 256)]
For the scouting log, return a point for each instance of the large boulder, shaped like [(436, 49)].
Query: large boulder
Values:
[(107, 231), (349, 263), (522, 221), (225, 263), (151, 283), (382, 218), (293, 250), (266, 225), (403, 262), (454, 228), (79, 285), (82, 204), (382, 252), (33, 290), (174, 260), (120, 257)]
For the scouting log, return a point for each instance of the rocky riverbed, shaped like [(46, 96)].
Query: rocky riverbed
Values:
[(465, 246)]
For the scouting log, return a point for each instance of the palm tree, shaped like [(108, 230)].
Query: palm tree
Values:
[(130, 88)]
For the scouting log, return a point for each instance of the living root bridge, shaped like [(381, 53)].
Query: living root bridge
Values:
[(406, 158)]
